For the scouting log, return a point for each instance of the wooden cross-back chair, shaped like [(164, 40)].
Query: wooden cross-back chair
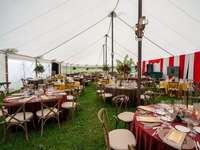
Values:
[(103, 118), (103, 94), (100, 89), (48, 112), (71, 104), (121, 102), (113, 137), (173, 89), (18, 118)]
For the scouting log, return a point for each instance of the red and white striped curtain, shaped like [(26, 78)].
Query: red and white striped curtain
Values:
[(189, 65)]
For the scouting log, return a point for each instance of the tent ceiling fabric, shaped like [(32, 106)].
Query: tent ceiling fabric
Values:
[(44, 24)]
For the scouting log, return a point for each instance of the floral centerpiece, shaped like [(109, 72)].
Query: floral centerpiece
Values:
[(39, 69), (124, 67)]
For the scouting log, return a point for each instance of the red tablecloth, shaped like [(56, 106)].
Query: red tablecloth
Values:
[(145, 140), (34, 104)]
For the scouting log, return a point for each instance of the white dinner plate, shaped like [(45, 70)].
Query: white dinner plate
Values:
[(166, 118), (182, 128), (160, 112), (197, 129)]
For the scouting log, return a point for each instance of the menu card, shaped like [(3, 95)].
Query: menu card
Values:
[(175, 138)]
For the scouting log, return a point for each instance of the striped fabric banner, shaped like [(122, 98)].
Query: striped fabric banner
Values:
[(165, 65), (186, 67), (176, 61), (197, 66), (182, 65), (189, 65)]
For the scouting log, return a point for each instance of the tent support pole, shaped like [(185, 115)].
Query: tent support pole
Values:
[(106, 47), (112, 40), (139, 54), (103, 54), (36, 64), (6, 72)]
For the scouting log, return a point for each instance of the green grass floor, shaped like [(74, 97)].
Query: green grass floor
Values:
[(84, 133)]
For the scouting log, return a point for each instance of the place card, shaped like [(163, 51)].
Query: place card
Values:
[(175, 138)]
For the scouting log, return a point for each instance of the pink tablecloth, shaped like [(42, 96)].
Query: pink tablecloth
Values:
[(145, 140)]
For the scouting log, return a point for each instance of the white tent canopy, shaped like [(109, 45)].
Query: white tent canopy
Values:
[(36, 26)]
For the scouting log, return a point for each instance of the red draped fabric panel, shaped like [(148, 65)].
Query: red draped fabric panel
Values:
[(154, 61), (160, 60), (143, 67), (181, 65), (161, 65), (171, 61), (197, 66)]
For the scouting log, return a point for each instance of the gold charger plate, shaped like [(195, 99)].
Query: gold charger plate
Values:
[(187, 144)]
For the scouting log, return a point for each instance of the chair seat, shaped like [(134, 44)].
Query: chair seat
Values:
[(68, 90), (107, 95), (121, 138), (100, 91), (47, 112), (81, 87), (149, 92), (70, 97), (20, 116), (126, 116), (68, 105), (144, 97), (173, 89)]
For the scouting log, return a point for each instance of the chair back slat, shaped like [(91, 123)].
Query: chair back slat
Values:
[(12, 116), (103, 118), (51, 109), (121, 102)]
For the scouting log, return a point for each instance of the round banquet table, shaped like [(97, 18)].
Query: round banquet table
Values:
[(145, 140), (131, 92), (34, 104)]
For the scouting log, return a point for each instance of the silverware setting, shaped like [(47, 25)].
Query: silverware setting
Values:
[(197, 145), (156, 131)]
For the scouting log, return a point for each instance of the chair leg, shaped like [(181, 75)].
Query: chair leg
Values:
[(5, 133), (33, 123), (58, 118), (116, 124), (26, 131), (72, 113), (42, 126)]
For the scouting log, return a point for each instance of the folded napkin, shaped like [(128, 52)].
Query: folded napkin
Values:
[(148, 119), (146, 108), (175, 138), (27, 99), (17, 94), (44, 97), (14, 98)]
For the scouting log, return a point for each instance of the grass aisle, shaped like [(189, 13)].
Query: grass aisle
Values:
[(84, 133)]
